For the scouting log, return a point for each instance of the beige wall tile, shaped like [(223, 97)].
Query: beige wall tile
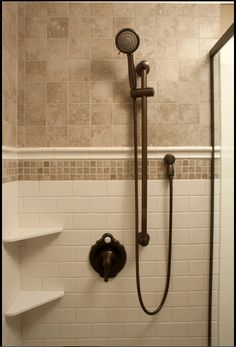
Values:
[(121, 114), (166, 9), (35, 49), (167, 70), (57, 136), (80, 27), (101, 48), (101, 9), (188, 27), (35, 93), (101, 92), (167, 91), (79, 9), (79, 135), (57, 49), (122, 22), (57, 27), (57, 92), (167, 114), (35, 136), (101, 114), (144, 10), (123, 9), (20, 115), (35, 71), (188, 114), (79, 70), (144, 31), (101, 135), (101, 27), (188, 9), (57, 114), (79, 114), (20, 136), (79, 48), (166, 50), (188, 91), (101, 70), (79, 92), (57, 71), (35, 27), (57, 9), (189, 135), (121, 92), (35, 9), (35, 114), (122, 135), (209, 27), (167, 132), (188, 48), (189, 70)]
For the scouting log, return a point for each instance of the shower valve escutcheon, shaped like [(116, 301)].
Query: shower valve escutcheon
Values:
[(107, 256)]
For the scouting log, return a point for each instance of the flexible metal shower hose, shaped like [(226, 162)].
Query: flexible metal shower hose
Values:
[(137, 225)]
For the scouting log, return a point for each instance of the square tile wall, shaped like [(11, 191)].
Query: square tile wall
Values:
[(73, 86), (9, 73)]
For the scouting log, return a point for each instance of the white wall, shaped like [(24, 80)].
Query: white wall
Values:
[(11, 328), (93, 312)]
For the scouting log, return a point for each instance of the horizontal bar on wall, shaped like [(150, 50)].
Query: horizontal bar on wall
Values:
[(183, 152)]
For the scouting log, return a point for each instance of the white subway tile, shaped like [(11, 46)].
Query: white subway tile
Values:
[(199, 267), (75, 300), (107, 300), (74, 238), (66, 284), (187, 314), (106, 204), (76, 331), (123, 342), (180, 236), (31, 283), (42, 331), (131, 299), (62, 316), (88, 221), (30, 342), (39, 205), (58, 188), (75, 269), (188, 252), (28, 254), (91, 285), (172, 329), (189, 187), (180, 268), (200, 203), (188, 283), (82, 253), (108, 330), (72, 205), (63, 220), (28, 188), (41, 269), (197, 329), (139, 329), (9, 191), (121, 284), (91, 342), (199, 235), (153, 253), (91, 315), (120, 188), (175, 299), (198, 298), (28, 220), (60, 342), (191, 220), (120, 220), (193, 341), (158, 220), (158, 187), (146, 341), (120, 315), (58, 254), (89, 188), (34, 316), (180, 203)]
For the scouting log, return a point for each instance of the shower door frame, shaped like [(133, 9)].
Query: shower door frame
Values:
[(215, 49)]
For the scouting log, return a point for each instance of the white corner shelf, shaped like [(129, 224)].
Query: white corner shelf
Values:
[(24, 233), (27, 300)]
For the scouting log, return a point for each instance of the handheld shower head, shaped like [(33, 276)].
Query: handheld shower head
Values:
[(127, 41)]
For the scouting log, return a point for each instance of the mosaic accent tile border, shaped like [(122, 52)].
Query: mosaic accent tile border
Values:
[(9, 170), (25, 170)]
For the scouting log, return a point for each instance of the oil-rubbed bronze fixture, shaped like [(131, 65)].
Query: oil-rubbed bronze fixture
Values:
[(127, 41), (107, 256)]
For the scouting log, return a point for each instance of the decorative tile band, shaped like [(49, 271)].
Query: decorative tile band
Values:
[(25, 170)]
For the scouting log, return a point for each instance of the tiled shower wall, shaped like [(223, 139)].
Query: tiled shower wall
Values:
[(93, 312), (9, 73), (73, 86)]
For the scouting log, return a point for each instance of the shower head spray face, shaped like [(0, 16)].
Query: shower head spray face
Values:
[(127, 41)]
